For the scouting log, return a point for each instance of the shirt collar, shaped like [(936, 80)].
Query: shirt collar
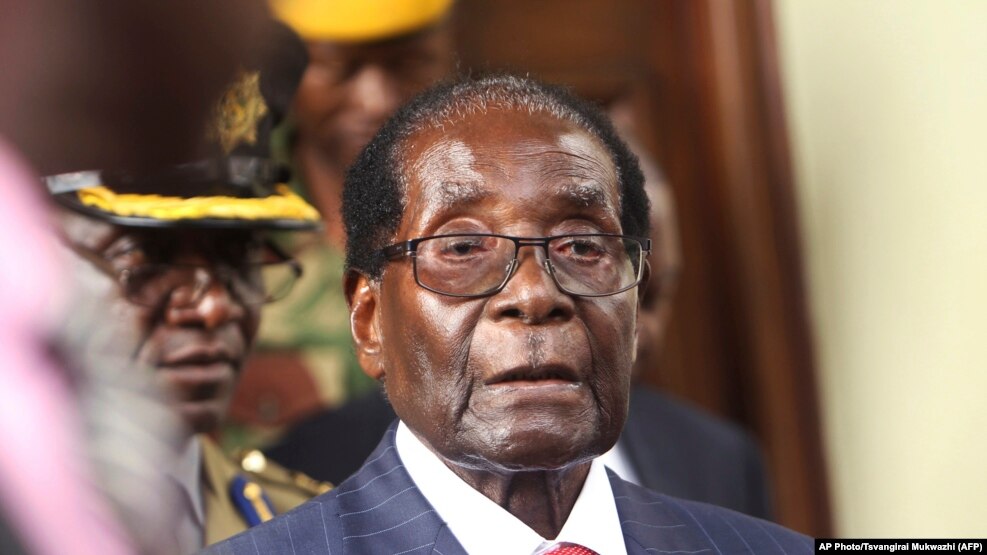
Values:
[(187, 472), (483, 527), (617, 460)]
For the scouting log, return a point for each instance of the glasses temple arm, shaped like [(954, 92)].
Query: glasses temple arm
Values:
[(285, 257), (398, 250)]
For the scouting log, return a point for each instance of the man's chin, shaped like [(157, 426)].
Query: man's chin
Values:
[(543, 449), (202, 416)]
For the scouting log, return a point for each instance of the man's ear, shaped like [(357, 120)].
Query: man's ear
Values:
[(642, 290), (642, 287), (362, 295)]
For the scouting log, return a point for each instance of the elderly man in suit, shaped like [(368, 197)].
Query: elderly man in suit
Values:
[(667, 445), (496, 238)]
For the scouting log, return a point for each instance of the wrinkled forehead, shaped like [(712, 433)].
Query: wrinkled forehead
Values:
[(512, 154)]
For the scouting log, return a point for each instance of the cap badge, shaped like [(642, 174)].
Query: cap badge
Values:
[(238, 112)]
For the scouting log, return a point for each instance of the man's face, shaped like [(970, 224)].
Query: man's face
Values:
[(350, 89), (196, 347), (529, 378)]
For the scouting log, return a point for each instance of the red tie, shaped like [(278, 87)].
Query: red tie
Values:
[(571, 549)]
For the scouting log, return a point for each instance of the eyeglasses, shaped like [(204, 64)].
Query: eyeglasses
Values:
[(183, 285), (481, 264)]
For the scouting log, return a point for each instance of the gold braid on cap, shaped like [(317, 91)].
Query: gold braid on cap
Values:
[(285, 205)]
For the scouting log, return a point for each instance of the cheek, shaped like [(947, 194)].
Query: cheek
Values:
[(143, 326), (250, 324), (613, 336), (426, 354), (437, 341)]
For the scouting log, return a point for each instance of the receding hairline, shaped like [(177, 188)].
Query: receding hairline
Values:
[(375, 198), (503, 93), (446, 117)]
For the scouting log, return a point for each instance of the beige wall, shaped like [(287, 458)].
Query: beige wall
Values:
[(887, 106)]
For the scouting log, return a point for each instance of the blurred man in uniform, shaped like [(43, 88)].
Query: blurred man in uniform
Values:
[(188, 272), (366, 59), (85, 84)]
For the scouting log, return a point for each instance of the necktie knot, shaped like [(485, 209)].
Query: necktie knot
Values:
[(571, 549)]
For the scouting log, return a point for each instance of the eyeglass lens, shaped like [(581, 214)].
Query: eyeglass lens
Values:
[(480, 264), (185, 285)]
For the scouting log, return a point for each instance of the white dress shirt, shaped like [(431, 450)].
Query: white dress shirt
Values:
[(187, 477), (485, 528), (616, 459)]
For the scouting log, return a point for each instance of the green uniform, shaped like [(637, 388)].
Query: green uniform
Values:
[(283, 488), (304, 360), (314, 323)]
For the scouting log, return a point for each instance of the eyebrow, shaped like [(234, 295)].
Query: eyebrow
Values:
[(583, 180), (454, 196), (585, 195), (451, 195)]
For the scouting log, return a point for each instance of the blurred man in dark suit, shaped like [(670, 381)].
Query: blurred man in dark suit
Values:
[(669, 445)]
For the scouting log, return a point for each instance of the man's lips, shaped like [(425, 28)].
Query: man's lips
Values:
[(199, 373), (199, 355), (549, 374)]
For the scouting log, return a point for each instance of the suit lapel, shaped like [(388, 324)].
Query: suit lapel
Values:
[(382, 511), (651, 523), (447, 544)]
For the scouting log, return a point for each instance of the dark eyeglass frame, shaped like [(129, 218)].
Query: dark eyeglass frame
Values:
[(123, 276), (410, 248)]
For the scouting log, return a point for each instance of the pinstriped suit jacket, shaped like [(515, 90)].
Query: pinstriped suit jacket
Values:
[(380, 511)]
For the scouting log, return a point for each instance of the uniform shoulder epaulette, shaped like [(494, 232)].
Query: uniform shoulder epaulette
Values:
[(251, 501), (270, 474)]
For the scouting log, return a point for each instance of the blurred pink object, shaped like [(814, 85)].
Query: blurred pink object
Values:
[(45, 489)]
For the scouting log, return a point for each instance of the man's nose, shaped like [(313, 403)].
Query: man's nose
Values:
[(210, 305), (376, 91), (531, 294)]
